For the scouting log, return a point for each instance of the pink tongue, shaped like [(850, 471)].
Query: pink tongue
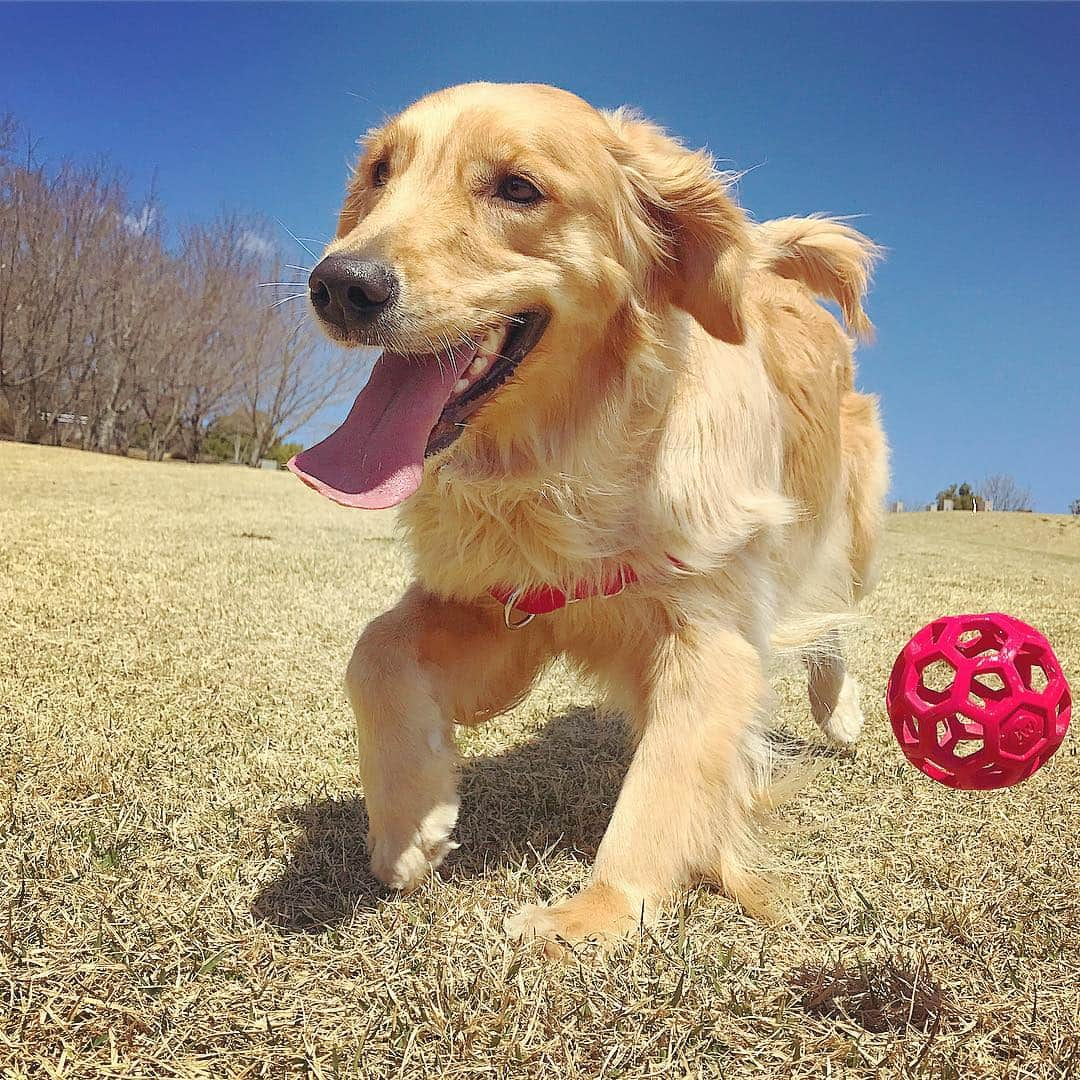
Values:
[(376, 458)]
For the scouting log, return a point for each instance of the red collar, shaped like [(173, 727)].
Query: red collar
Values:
[(544, 599)]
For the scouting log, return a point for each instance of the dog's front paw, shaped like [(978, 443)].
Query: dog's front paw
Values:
[(403, 858), (599, 913), (845, 723)]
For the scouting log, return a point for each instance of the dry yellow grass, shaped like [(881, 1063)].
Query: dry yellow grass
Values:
[(182, 885)]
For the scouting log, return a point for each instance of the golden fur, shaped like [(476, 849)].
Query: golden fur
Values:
[(690, 400)]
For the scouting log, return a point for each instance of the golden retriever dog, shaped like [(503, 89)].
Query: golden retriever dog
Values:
[(622, 431)]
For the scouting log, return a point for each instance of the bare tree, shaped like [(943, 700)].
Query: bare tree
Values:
[(191, 375), (219, 270), (107, 332), (288, 373), (291, 376), (165, 370), (135, 275), (9, 136), (1003, 493), (51, 231)]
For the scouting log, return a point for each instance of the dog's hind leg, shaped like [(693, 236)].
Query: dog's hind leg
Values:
[(415, 671), (866, 468), (834, 694)]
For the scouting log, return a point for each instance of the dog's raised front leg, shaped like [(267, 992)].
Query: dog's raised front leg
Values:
[(415, 671), (684, 809)]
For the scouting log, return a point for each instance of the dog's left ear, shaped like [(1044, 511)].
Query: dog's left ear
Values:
[(699, 238)]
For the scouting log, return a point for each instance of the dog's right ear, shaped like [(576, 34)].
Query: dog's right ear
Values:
[(699, 238)]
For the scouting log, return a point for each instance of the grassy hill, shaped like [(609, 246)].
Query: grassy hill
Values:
[(183, 889)]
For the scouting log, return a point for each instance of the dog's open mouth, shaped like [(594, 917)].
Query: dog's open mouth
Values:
[(496, 358), (413, 407)]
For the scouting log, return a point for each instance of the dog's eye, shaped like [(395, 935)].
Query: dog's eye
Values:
[(517, 189), (381, 173)]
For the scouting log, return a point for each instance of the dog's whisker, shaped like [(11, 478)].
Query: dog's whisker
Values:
[(435, 352), (499, 315), (298, 240), (274, 284), (449, 350), (285, 300)]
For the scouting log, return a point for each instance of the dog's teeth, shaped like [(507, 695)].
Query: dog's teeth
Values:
[(461, 385), (479, 365), (490, 345)]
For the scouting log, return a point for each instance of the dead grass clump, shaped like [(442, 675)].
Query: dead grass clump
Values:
[(879, 996)]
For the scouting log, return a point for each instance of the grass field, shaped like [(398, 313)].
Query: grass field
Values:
[(183, 890)]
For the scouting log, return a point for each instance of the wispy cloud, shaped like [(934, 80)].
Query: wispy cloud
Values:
[(254, 244), (142, 222)]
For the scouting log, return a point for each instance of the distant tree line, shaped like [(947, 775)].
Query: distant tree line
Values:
[(998, 492), (961, 496), (117, 336)]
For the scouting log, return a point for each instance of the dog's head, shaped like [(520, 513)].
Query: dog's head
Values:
[(492, 241)]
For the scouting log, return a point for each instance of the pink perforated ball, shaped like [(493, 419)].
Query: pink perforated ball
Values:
[(978, 701)]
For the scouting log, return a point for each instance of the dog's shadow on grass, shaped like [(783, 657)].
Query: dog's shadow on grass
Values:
[(557, 790)]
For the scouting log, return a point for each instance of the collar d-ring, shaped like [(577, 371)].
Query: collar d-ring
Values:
[(509, 609)]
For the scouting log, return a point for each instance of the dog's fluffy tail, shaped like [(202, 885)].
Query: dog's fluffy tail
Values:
[(828, 256)]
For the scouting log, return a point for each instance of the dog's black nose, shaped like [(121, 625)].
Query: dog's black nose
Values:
[(352, 292)]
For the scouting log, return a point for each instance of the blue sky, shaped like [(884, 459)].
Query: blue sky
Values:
[(953, 130)]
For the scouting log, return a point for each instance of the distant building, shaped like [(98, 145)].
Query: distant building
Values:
[(77, 419)]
